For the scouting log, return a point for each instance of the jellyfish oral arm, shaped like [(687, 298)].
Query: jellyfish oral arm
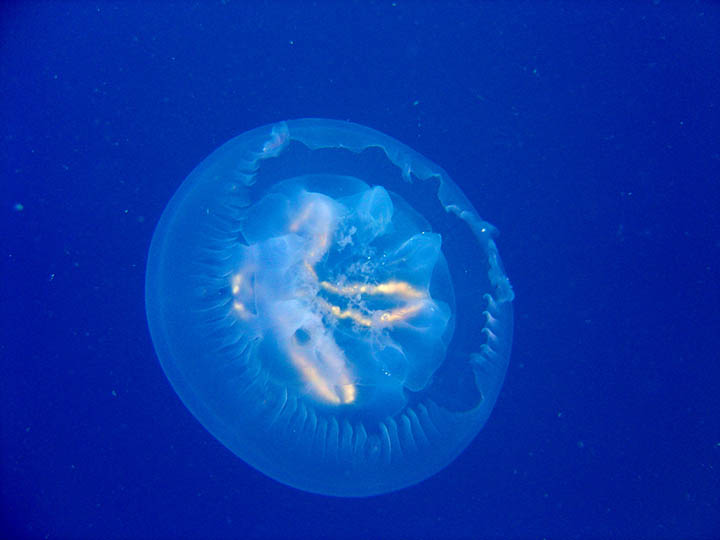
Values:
[(300, 303)]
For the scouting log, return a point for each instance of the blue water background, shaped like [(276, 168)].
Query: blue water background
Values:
[(588, 132)]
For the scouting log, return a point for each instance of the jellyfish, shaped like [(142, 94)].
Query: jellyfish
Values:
[(330, 306)]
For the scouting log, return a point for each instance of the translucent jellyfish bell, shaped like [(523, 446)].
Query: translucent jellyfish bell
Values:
[(330, 306)]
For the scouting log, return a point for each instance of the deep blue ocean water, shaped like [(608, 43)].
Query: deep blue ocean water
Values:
[(587, 132)]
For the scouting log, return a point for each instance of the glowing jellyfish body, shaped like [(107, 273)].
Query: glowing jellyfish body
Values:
[(330, 306)]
